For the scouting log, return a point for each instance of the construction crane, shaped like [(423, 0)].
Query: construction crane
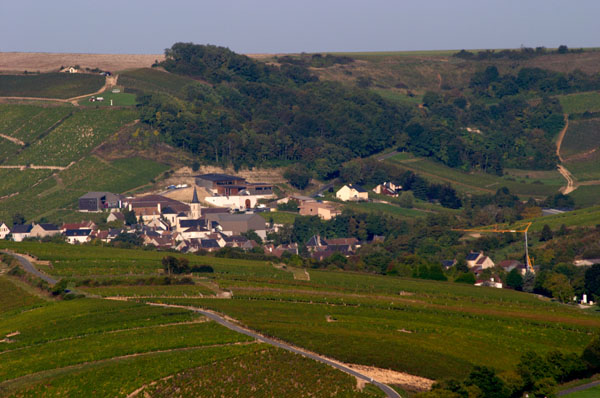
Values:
[(523, 230)]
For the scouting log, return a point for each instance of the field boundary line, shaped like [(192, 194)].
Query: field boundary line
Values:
[(234, 325), (13, 139), (118, 358), (200, 320)]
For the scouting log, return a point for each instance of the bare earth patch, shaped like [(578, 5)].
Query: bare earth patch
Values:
[(51, 62), (387, 376)]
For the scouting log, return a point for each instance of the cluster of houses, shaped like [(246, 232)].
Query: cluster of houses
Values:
[(477, 262)]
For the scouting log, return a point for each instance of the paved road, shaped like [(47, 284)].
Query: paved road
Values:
[(29, 267), (578, 388), (322, 189), (389, 392), (385, 156)]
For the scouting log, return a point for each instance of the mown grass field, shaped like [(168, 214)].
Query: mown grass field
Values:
[(523, 183), (152, 80), (50, 85), (118, 99), (593, 392), (384, 208), (582, 136), (280, 217), (580, 102), (13, 297)]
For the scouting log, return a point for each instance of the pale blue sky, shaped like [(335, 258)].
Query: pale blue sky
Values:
[(267, 26)]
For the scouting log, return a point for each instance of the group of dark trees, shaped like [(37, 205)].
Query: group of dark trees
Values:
[(242, 112), (535, 375), (520, 54)]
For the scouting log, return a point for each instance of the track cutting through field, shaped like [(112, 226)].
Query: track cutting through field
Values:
[(389, 392), (571, 186)]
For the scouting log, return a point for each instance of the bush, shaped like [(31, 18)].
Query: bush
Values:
[(467, 277), (203, 268)]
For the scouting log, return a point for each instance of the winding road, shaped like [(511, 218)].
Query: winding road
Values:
[(571, 186), (389, 392), (29, 267)]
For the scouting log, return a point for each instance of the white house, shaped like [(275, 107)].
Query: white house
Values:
[(479, 259), (4, 230), (20, 232), (78, 235), (492, 282), (352, 193)]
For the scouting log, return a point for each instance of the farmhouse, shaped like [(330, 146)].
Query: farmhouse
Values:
[(98, 201), (236, 224), (80, 225), (228, 185), (20, 232), (44, 230), (115, 216), (388, 189), (150, 206), (324, 210), (4, 230), (478, 259), (78, 235), (352, 193)]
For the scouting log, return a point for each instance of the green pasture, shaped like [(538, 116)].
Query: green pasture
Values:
[(521, 183), (41, 193), (585, 169), (580, 102), (75, 138), (582, 136), (586, 195), (28, 122), (14, 298), (280, 217), (118, 377), (118, 99), (148, 291), (385, 208), (287, 375), (152, 80), (50, 85)]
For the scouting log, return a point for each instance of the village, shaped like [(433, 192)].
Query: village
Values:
[(228, 216)]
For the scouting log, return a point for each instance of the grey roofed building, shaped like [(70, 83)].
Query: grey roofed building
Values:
[(78, 232), (236, 224), (21, 229), (97, 201)]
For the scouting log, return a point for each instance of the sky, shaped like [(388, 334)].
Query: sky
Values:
[(284, 26)]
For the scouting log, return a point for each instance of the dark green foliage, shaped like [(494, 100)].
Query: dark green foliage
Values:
[(127, 240), (592, 280), (18, 219), (488, 382), (129, 217), (172, 265), (50, 85), (298, 177), (514, 279), (290, 205), (252, 235), (560, 201), (546, 234), (256, 113), (591, 355), (466, 277)]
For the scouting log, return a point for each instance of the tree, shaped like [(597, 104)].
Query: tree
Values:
[(252, 235), (406, 200), (562, 49), (172, 265), (546, 233), (467, 278), (559, 286), (591, 354), (488, 382), (514, 279), (18, 219), (528, 282), (129, 217), (195, 166), (297, 177), (592, 280)]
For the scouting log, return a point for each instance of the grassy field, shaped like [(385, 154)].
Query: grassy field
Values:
[(49, 196), (152, 80), (582, 136), (287, 375), (13, 298), (520, 182), (580, 102), (586, 195), (158, 291), (118, 99), (593, 392), (280, 217), (28, 122), (75, 138), (585, 169), (50, 85), (384, 208)]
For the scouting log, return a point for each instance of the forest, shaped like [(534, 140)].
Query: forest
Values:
[(243, 112)]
